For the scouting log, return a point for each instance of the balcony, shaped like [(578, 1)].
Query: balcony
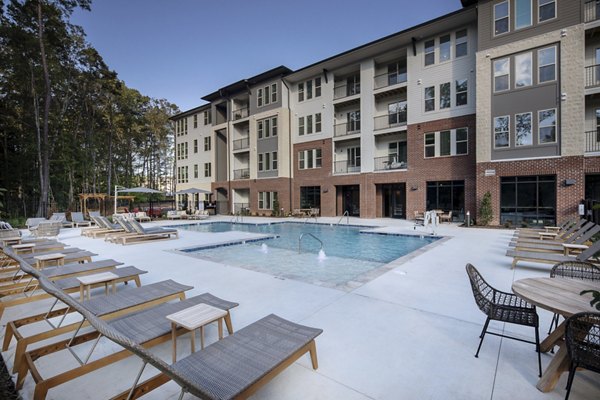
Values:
[(389, 163), (592, 76), (243, 173), (241, 144), (346, 167), (389, 79), (344, 90), (591, 11), (347, 128), (592, 141), (240, 113), (390, 121)]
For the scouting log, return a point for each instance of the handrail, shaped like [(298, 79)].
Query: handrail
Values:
[(237, 218), (309, 234), (347, 215)]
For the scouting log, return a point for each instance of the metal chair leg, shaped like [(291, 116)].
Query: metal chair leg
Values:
[(537, 349), (572, 370), (483, 332)]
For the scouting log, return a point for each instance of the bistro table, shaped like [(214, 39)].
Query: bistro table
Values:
[(560, 296)]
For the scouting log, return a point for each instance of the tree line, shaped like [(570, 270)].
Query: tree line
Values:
[(68, 124)]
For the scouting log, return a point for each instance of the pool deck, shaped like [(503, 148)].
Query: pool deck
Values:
[(410, 333)]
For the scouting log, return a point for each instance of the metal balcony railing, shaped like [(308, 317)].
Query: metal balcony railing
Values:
[(241, 208), (346, 128), (389, 163), (592, 141), (241, 113), (346, 167), (241, 144), (591, 10), (389, 79), (243, 173), (592, 76), (345, 90), (390, 120)]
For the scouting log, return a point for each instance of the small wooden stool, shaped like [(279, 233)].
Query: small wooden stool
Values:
[(23, 248), (59, 258), (569, 247), (86, 282), (10, 240)]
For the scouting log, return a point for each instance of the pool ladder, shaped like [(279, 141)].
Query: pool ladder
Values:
[(347, 215), (308, 234), (237, 218)]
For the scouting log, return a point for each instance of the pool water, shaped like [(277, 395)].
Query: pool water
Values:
[(349, 251)]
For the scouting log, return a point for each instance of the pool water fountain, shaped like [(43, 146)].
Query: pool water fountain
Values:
[(322, 256), (264, 248)]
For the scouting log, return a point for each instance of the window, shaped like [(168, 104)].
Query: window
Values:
[(461, 46), (309, 124), (397, 113), (501, 132), (445, 143), (267, 90), (301, 91), (501, 74), (317, 122), (461, 92), (353, 118), (195, 146), (207, 117), (353, 154), (523, 129), (309, 90), (300, 126), (310, 197), (186, 174), (195, 171), (430, 98), (397, 155), (353, 85), (266, 95), (266, 200), (547, 64), (317, 87), (259, 98), (309, 159), (266, 127), (260, 128), (501, 18), (445, 46), (430, 52), (207, 143), (528, 199), (195, 120), (396, 73), (523, 74), (546, 10), (274, 93), (207, 170), (445, 96), (429, 145), (260, 161), (523, 14), (447, 195), (462, 141), (267, 161), (274, 126), (274, 160), (547, 126)]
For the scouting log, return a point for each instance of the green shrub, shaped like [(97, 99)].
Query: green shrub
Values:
[(485, 214)]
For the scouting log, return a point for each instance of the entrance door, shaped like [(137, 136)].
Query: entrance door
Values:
[(394, 200), (351, 200)]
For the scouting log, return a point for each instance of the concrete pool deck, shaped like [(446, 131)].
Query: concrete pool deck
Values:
[(410, 333)]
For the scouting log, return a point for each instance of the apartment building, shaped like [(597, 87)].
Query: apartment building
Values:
[(537, 100), (499, 96)]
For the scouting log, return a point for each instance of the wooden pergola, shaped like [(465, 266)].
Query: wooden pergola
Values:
[(103, 200)]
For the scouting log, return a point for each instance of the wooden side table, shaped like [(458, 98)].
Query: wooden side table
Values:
[(86, 282), (193, 318), (10, 240), (568, 248), (58, 258), (547, 235), (24, 248)]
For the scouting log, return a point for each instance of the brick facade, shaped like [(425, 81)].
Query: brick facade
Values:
[(279, 185)]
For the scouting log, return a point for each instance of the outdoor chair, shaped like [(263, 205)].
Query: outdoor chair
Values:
[(446, 217), (579, 238), (575, 270), (141, 216), (141, 234), (503, 307), (62, 218), (32, 223), (582, 337), (199, 214), (47, 229), (553, 258), (78, 220)]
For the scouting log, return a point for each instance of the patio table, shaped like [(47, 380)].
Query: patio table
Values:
[(560, 296)]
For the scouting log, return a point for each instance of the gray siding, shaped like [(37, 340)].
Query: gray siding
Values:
[(568, 13), (268, 145), (220, 148), (254, 109)]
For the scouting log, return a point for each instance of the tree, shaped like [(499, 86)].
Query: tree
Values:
[(486, 213)]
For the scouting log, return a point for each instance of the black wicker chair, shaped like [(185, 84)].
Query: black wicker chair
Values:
[(504, 307), (582, 336), (575, 270)]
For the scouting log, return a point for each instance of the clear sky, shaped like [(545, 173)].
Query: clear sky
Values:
[(181, 50)]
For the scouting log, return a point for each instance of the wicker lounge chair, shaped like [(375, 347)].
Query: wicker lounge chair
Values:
[(582, 337), (554, 258), (503, 307)]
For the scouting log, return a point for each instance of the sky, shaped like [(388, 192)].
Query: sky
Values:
[(181, 50)]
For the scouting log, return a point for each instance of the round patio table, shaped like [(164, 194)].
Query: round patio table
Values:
[(561, 296)]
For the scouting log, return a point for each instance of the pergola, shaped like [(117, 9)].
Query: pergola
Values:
[(102, 199)]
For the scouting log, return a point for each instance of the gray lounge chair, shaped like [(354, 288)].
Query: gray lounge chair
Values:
[(554, 258), (78, 220), (541, 246), (47, 229)]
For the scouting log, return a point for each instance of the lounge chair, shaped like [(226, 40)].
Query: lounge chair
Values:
[(575, 242), (105, 228), (574, 236), (143, 234), (176, 214), (199, 214), (565, 225), (141, 216), (34, 222), (78, 220), (561, 234), (62, 218), (47, 229), (553, 258)]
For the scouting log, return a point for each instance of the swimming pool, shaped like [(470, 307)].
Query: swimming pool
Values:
[(350, 252)]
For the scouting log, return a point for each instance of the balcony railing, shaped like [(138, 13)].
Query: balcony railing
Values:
[(241, 208), (241, 144), (241, 113), (592, 141), (346, 167), (591, 10), (390, 120), (592, 76), (389, 79), (345, 90), (390, 162), (243, 173), (347, 128)]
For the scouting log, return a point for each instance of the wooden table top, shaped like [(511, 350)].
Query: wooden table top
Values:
[(196, 316), (23, 246), (96, 278), (48, 257), (559, 295)]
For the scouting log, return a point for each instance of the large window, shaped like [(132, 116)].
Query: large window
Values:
[(528, 199), (308, 159), (447, 196), (445, 48), (462, 48), (501, 18), (266, 95), (523, 129), (267, 161), (430, 98), (397, 113), (501, 74), (547, 126), (310, 197), (266, 200), (523, 13), (462, 86), (523, 76), (454, 142), (445, 95), (266, 127), (353, 118), (546, 10), (353, 157), (547, 64), (502, 132)]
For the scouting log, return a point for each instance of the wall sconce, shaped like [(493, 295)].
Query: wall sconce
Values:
[(563, 33), (419, 81), (326, 190), (414, 188), (563, 96)]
